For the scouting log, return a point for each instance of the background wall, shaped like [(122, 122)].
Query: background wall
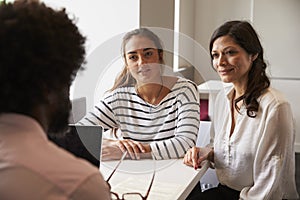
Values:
[(158, 13), (279, 28), (103, 23)]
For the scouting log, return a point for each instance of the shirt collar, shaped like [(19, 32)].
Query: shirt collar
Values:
[(229, 92)]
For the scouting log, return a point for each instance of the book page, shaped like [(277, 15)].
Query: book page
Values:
[(159, 190)]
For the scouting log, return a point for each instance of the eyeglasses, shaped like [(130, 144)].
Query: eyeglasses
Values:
[(129, 195)]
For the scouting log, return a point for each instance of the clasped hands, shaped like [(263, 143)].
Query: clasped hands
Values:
[(114, 149), (196, 155)]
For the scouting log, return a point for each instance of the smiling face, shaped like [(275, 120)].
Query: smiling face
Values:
[(143, 60), (231, 61)]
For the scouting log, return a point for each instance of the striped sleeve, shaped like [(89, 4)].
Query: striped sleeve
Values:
[(188, 120), (101, 115)]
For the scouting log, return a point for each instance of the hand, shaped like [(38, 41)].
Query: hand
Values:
[(110, 151), (196, 155), (133, 148), (113, 149)]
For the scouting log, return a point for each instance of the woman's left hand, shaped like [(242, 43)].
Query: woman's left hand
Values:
[(133, 148), (110, 151), (115, 148)]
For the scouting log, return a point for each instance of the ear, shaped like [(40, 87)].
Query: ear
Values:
[(253, 57)]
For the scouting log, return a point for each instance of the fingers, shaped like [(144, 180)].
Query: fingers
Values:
[(191, 157), (141, 147), (204, 153), (132, 147), (111, 153), (186, 159), (195, 157)]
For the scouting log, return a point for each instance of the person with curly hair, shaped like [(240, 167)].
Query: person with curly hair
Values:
[(41, 50), (252, 131)]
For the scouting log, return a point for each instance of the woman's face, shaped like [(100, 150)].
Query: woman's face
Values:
[(143, 60), (231, 61)]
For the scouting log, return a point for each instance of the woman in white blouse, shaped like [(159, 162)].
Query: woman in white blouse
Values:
[(252, 132)]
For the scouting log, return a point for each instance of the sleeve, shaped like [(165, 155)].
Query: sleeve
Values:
[(274, 163), (93, 188), (101, 115), (187, 127)]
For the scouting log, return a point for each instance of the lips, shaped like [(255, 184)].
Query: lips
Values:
[(225, 71), (144, 70)]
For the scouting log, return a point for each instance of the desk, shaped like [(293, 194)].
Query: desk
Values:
[(173, 179)]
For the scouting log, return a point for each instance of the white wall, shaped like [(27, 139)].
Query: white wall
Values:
[(103, 22), (279, 28), (210, 14), (159, 13)]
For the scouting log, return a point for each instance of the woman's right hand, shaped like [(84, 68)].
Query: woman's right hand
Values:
[(196, 155)]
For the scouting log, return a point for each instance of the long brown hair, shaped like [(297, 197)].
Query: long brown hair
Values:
[(244, 35), (124, 79)]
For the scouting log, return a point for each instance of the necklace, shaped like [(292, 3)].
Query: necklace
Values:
[(153, 102)]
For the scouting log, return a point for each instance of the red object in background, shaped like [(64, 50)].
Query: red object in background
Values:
[(204, 110)]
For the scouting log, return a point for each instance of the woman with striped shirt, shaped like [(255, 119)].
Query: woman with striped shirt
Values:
[(153, 113)]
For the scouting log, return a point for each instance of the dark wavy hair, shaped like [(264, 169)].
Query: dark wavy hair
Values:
[(246, 37), (41, 50), (125, 78)]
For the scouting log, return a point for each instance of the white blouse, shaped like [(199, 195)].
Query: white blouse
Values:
[(258, 159)]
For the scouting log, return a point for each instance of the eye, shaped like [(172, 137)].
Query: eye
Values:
[(132, 57), (230, 52), (148, 54), (214, 55)]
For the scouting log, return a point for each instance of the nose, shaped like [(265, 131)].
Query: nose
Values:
[(222, 60), (142, 60)]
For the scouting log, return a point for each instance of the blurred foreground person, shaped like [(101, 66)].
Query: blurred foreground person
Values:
[(41, 52)]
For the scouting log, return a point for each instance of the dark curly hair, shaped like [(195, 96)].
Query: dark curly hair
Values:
[(244, 35), (41, 50)]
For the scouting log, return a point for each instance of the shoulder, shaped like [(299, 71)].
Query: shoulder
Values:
[(69, 161), (272, 97), (53, 165), (122, 91), (225, 92), (184, 83), (72, 169), (91, 188), (85, 180)]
